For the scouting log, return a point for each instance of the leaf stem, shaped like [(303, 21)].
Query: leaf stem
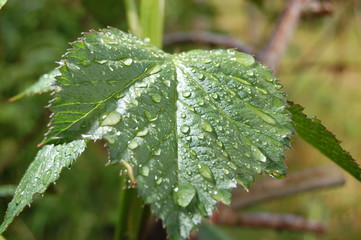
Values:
[(130, 213)]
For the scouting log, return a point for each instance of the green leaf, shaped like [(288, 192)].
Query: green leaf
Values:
[(313, 132), (44, 170), (188, 126), (46, 83), (2, 3)]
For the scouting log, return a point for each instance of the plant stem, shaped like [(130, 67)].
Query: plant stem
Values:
[(151, 19), (130, 213), (132, 17)]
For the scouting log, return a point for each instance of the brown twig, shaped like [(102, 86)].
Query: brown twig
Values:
[(306, 180), (229, 217), (276, 47), (206, 38)]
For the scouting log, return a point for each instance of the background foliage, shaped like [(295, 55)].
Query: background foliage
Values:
[(320, 71)]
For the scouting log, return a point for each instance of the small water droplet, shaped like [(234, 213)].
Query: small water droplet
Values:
[(278, 86), (159, 181), (111, 119), (232, 165), (263, 91), (155, 97), (128, 61), (219, 143), (133, 144), (225, 171), (235, 145), (156, 152), (144, 171), (185, 129), (206, 126), (184, 194), (258, 154), (186, 94), (191, 108), (245, 59), (205, 171), (214, 96), (151, 117), (249, 72), (200, 136), (200, 101), (200, 76), (221, 196), (183, 115), (142, 132)]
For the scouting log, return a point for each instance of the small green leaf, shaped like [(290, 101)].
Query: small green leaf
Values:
[(313, 132), (46, 83), (2, 3), (189, 125), (44, 170)]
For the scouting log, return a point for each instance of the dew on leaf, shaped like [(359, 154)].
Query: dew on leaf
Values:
[(144, 171), (186, 94), (156, 152), (142, 132), (246, 60), (185, 129), (206, 126), (214, 96), (219, 143), (151, 117), (156, 97), (263, 91), (159, 181), (184, 194), (111, 119), (200, 136), (155, 69), (200, 101), (128, 61), (132, 144), (205, 171), (258, 154), (232, 165)]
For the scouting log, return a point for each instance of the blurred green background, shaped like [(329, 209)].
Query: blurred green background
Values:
[(321, 70)]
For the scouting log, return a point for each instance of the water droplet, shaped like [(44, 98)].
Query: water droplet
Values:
[(249, 72), (235, 145), (186, 94), (185, 129), (101, 61), (111, 119), (232, 165), (258, 154), (184, 194), (207, 60), (159, 181), (155, 69), (222, 195), (200, 76), (200, 101), (245, 59), (156, 152), (200, 136), (132, 144), (278, 103), (191, 108), (214, 96), (224, 153), (219, 143), (183, 115), (128, 62), (206, 126), (144, 171), (156, 97), (150, 116), (225, 171), (205, 171), (263, 91), (142, 132)]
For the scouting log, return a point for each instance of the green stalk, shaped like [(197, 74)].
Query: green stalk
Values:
[(132, 217), (151, 19), (132, 17), (130, 213)]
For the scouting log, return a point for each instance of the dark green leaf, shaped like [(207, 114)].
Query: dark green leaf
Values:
[(44, 170), (189, 126), (313, 132)]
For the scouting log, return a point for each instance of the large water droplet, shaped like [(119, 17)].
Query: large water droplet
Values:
[(206, 126), (245, 59), (112, 118), (222, 195), (156, 97), (185, 129), (205, 171), (184, 194), (263, 91), (128, 61), (142, 132), (133, 144), (144, 171), (155, 69), (258, 154)]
